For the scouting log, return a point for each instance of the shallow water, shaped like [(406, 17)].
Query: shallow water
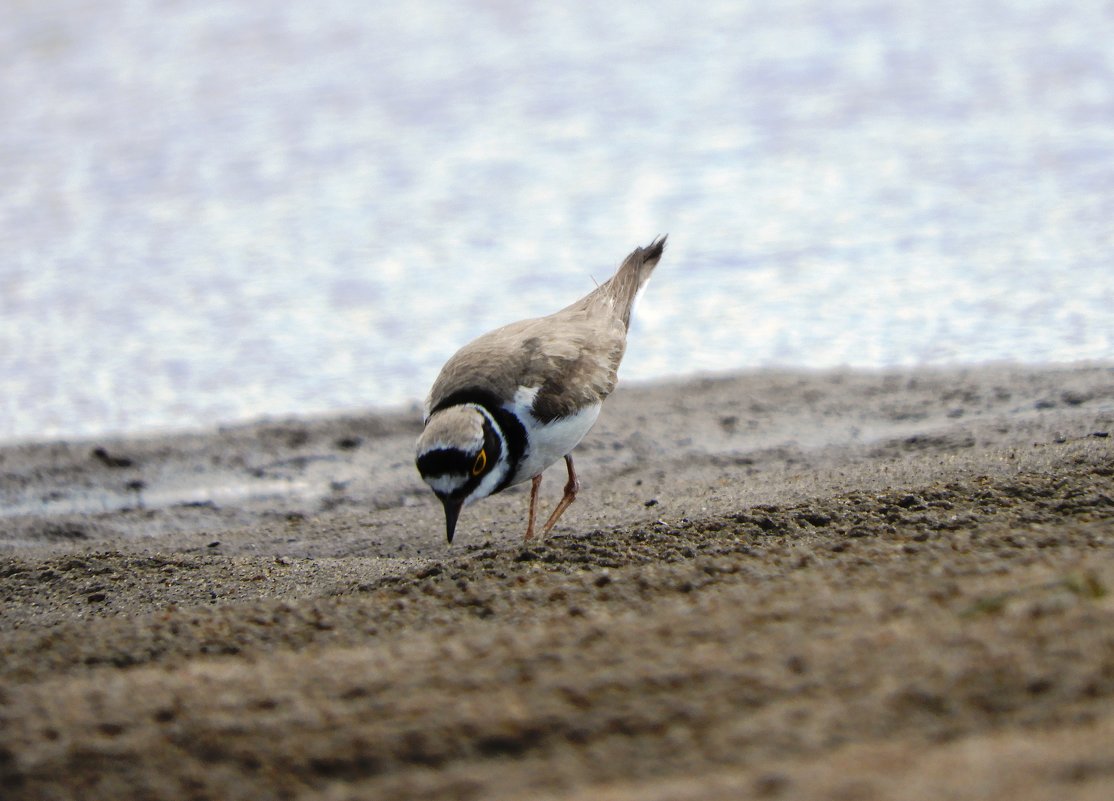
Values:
[(217, 211)]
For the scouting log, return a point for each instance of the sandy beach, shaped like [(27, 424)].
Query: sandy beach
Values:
[(807, 585)]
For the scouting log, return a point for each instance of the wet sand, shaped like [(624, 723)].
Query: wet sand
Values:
[(773, 585)]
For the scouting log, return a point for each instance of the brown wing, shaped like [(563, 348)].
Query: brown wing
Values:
[(571, 357)]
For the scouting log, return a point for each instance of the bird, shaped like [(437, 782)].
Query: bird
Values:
[(517, 399)]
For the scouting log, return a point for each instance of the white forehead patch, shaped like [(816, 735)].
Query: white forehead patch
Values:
[(446, 484)]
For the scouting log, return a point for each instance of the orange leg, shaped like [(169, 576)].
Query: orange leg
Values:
[(535, 483), (571, 488)]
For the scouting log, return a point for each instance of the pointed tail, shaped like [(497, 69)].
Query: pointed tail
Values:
[(632, 275)]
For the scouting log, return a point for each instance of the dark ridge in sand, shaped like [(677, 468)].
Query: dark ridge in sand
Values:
[(775, 585)]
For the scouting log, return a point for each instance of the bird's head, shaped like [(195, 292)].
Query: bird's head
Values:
[(462, 458)]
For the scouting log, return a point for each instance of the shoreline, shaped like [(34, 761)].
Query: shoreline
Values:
[(777, 582)]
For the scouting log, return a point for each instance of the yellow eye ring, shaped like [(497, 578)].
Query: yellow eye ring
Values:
[(480, 463)]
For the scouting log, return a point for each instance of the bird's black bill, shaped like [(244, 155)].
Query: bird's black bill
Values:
[(452, 512)]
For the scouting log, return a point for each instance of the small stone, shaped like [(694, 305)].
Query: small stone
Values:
[(108, 460)]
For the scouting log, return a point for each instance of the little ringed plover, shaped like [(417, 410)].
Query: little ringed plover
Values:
[(514, 401)]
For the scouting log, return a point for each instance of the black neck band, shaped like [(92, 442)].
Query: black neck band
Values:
[(514, 433)]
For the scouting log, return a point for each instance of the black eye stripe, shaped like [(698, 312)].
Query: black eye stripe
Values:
[(444, 461), (453, 461), (514, 432)]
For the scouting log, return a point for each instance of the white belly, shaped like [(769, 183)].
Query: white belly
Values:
[(551, 441)]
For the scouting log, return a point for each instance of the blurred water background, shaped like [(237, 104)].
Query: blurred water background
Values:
[(217, 211)]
